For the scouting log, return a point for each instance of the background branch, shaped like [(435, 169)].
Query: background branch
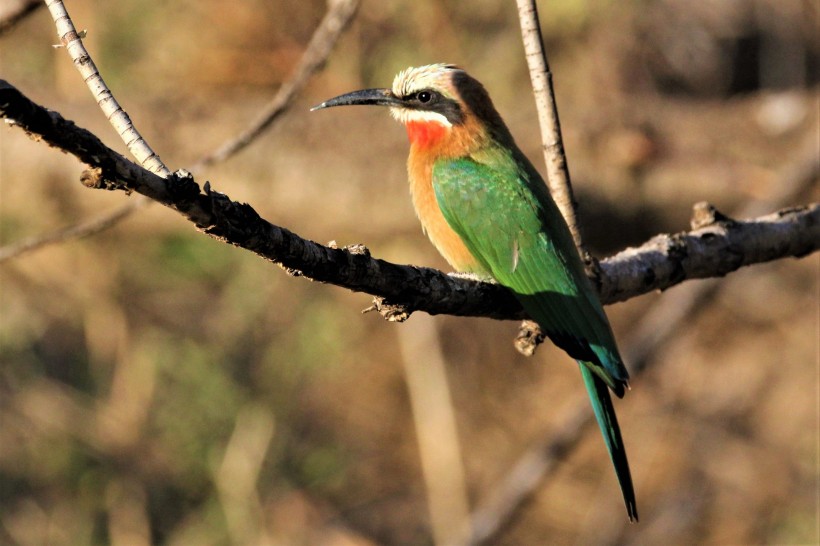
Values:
[(435, 423), (74, 231), (335, 21), (719, 246)]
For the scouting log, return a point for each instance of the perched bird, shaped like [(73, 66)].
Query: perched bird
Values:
[(487, 211)]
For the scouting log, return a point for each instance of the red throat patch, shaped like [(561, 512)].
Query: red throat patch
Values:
[(425, 133)]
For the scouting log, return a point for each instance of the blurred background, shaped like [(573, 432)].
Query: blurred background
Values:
[(159, 387)]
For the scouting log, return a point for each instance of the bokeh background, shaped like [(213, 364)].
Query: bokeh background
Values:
[(159, 387)]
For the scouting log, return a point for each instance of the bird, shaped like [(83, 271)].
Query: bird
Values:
[(488, 212)]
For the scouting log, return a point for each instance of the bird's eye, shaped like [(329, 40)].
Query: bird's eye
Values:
[(424, 96)]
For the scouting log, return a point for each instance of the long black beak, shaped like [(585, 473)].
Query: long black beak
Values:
[(382, 97)]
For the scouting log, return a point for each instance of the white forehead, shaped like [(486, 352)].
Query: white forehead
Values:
[(414, 79)]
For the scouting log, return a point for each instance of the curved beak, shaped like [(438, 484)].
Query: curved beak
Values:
[(381, 97)]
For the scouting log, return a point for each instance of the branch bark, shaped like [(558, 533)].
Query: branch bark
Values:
[(720, 246), (558, 179)]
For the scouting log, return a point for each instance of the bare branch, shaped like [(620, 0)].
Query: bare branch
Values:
[(75, 231), (337, 18), (497, 511), (15, 11), (713, 250), (73, 44), (557, 171)]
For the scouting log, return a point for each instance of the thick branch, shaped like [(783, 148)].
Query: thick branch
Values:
[(719, 247), (712, 250)]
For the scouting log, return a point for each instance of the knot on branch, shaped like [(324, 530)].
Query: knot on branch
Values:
[(706, 214), (96, 179), (592, 267), (182, 188), (228, 216), (392, 312), (356, 249), (529, 337)]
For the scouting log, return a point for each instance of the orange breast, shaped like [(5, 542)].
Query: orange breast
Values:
[(446, 241), (425, 133)]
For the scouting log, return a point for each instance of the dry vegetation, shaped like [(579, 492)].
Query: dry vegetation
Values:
[(157, 386)]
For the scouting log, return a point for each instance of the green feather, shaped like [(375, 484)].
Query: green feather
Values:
[(608, 423), (499, 206)]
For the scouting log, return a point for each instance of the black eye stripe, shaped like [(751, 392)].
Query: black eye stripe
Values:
[(433, 101)]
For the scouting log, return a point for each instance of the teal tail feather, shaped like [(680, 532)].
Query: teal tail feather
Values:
[(605, 415)]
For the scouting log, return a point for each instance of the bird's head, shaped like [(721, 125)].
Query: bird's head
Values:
[(439, 104)]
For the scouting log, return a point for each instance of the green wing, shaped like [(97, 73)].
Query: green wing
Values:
[(500, 207)]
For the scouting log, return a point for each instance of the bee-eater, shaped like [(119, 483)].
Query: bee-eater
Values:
[(487, 211)]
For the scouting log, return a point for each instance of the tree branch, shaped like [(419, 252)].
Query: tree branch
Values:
[(712, 250), (74, 231), (556, 160), (717, 247), (336, 19)]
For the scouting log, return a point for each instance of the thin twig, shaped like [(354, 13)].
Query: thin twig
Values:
[(75, 231), (73, 44), (12, 13), (715, 249), (337, 18), (557, 171)]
